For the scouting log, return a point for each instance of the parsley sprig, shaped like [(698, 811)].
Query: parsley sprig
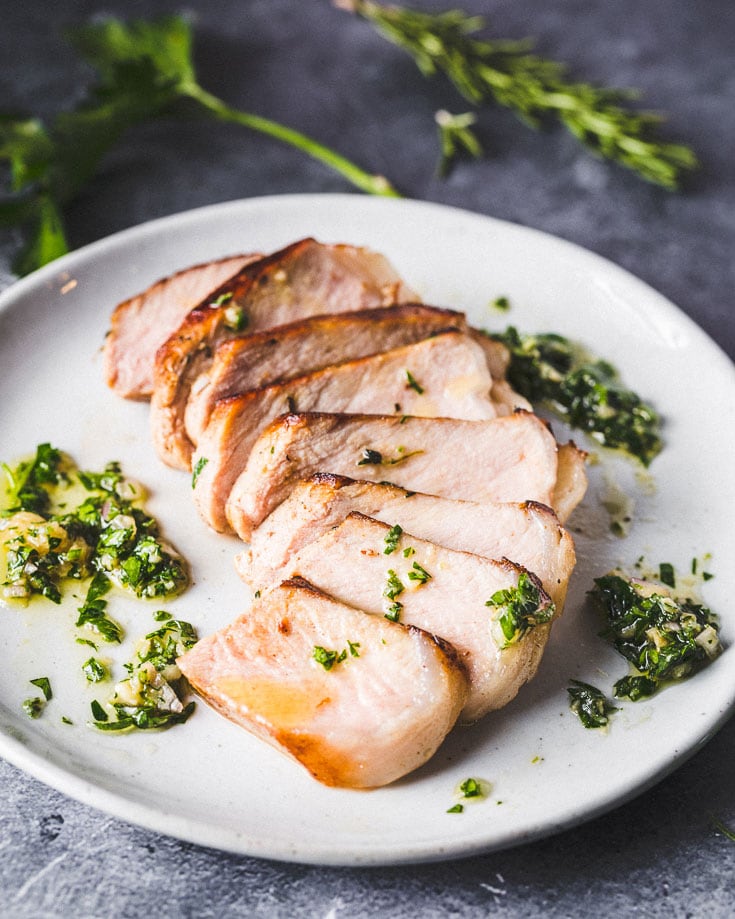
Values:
[(537, 89), (145, 71)]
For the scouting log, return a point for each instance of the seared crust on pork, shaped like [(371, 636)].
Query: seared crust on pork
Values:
[(529, 533), (140, 325), (444, 375), (298, 348), (304, 279)]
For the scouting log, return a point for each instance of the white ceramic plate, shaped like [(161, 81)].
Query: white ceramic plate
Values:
[(210, 782)]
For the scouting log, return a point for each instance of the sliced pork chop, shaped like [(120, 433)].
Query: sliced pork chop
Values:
[(445, 375), (373, 716), (440, 590), (529, 534), (298, 348), (140, 325), (304, 279), (513, 458)]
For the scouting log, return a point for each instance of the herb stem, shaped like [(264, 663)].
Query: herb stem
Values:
[(372, 184)]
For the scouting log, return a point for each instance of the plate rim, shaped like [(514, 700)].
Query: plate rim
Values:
[(133, 811)]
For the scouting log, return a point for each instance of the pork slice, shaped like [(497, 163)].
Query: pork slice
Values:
[(513, 458), (441, 590), (140, 325), (571, 481), (374, 716), (292, 350), (529, 533), (506, 399), (445, 375), (304, 279)]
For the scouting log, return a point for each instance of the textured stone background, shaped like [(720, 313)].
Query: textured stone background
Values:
[(319, 70)]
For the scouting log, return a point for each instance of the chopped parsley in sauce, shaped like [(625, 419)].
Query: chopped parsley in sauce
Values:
[(94, 670), (198, 469), (520, 609), (44, 684), (413, 383), (60, 524), (34, 707), (663, 637), (418, 574), (328, 658), (589, 704), (391, 539), (393, 588), (147, 698), (585, 392), (470, 790)]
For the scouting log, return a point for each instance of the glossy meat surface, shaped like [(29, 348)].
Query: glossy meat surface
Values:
[(528, 534), (304, 279)]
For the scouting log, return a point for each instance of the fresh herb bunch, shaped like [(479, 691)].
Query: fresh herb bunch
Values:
[(662, 637), (585, 392), (145, 71), (537, 89)]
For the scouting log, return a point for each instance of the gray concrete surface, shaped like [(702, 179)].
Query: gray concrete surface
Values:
[(319, 70)]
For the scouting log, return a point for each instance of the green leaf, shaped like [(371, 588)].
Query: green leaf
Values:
[(165, 43), (145, 71), (46, 237), (44, 684), (27, 148)]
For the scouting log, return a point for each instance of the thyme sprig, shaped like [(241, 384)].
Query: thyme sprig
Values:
[(536, 88)]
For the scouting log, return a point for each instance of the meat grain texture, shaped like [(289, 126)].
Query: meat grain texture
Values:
[(513, 458), (260, 359), (444, 375), (349, 563), (529, 533)]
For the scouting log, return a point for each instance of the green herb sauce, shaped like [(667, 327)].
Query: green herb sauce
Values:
[(148, 697), (589, 704), (586, 392), (59, 525), (663, 637)]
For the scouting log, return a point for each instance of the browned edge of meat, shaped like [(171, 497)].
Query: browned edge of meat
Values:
[(261, 295), (274, 356), (376, 714), (141, 324)]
